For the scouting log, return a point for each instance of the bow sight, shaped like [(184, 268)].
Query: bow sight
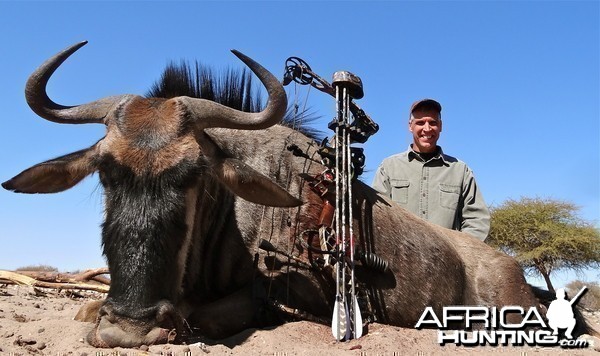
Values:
[(298, 71), (359, 129)]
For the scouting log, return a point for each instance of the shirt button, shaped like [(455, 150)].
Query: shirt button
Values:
[(424, 178)]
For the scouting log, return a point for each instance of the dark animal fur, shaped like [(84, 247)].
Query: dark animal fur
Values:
[(145, 221), (232, 88)]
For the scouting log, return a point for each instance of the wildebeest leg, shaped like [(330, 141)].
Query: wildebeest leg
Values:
[(257, 305), (226, 316), (89, 312)]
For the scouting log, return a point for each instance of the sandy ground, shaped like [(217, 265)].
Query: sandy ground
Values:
[(42, 324)]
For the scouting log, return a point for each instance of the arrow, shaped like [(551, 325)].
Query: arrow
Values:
[(358, 323), (339, 321)]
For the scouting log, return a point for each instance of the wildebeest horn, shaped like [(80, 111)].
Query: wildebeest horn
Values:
[(210, 114), (41, 104)]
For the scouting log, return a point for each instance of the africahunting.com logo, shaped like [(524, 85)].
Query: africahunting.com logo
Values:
[(493, 326)]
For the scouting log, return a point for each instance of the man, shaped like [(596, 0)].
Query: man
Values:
[(434, 186)]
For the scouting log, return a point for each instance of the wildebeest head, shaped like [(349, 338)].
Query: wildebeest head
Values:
[(148, 162)]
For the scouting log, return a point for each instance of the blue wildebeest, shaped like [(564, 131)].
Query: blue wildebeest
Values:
[(192, 186)]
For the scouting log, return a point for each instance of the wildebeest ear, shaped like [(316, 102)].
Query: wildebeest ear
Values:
[(55, 175), (247, 183)]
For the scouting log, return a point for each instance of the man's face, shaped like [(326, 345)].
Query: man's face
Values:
[(426, 127)]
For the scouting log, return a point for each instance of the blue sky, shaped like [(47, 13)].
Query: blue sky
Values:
[(519, 83)]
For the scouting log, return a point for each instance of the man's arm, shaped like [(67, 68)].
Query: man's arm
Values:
[(381, 182), (475, 214)]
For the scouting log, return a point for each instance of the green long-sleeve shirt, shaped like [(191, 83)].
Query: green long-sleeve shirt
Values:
[(441, 190)]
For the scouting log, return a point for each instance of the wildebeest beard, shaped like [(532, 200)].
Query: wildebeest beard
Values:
[(143, 232)]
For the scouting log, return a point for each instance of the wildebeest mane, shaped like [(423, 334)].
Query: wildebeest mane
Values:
[(229, 87)]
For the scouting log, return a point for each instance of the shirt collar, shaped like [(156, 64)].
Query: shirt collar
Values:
[(414, 155)]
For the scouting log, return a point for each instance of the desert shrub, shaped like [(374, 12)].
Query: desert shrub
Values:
[(38, 268), (591, 299)]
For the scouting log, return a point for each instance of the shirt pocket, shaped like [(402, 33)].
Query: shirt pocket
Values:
[(449, 195), (400, 190)]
